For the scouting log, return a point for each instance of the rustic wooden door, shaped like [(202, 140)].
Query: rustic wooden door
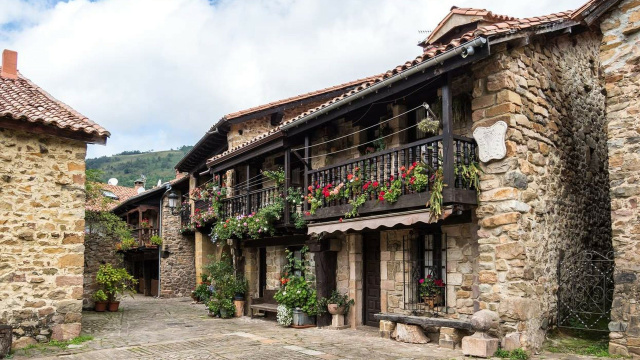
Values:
[(371, 277)]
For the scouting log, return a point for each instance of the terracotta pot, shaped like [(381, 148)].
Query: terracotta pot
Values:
[(114, 305), (429, 301), (101, 306), (334, 309), (239, 304)]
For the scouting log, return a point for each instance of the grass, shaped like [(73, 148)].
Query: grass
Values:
[(516, 354), (578, 342), (54, 344)]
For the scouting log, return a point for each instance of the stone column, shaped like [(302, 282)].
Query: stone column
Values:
[(204, 248), (619, 58), (354, 242)]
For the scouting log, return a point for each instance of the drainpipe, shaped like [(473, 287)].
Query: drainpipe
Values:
[(168, 187), (463, 50)]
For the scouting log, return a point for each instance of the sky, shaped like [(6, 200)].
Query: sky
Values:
[(158, 73)]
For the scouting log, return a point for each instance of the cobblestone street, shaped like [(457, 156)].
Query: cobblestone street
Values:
[(149, 328)]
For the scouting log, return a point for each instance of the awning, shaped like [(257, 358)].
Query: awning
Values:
[(377, 221)]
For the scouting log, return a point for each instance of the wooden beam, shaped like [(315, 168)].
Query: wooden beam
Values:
[(425, 321), (298, 239), (447, 133), (7, 122), (287, 183), (245, 155)]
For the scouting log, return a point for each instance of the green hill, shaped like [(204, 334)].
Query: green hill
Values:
[(128, 165)]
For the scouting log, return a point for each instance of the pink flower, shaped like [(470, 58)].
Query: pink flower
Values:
[(421, 281), (340, 220)]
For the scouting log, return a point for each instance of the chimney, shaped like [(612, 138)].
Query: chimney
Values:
[(9, 64), (138, 185)]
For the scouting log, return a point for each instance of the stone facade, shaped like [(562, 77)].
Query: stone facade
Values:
[(41, 235), (177, 267), (620, 56), (550, 194), (99, 249)]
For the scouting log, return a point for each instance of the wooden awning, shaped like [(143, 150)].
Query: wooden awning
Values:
[(406, 218)]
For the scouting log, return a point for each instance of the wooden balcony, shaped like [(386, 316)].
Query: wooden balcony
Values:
[(380, 166), (143, 237)]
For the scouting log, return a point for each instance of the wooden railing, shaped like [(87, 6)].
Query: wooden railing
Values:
[(249, 202), (383, 165), (143, 236)]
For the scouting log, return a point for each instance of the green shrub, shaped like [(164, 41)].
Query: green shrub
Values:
[(156, 240), (116, 281)]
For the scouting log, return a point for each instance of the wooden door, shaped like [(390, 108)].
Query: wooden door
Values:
[(371, 277)]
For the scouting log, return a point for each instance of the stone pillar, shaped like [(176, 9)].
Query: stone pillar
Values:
[(355, 278), (619, 57), (204, 248), (177, 266)]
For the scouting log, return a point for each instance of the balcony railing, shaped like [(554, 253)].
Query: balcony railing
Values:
[(143, 236), (380, 166)]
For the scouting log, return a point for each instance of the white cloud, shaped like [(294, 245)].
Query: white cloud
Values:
[(158, 73)]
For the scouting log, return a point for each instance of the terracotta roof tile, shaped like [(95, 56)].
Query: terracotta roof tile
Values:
[(122, 192), (430, 51), (23, 100)]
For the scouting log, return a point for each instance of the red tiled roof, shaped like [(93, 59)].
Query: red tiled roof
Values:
[(296, 98), (497, 29), (484, 13), (122, 192), (23, 100)]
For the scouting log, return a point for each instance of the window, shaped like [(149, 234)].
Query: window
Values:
[(425, 255), (435, 255), (110, 195)]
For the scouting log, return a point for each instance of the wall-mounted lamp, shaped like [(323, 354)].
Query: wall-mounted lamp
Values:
[(173, 203)]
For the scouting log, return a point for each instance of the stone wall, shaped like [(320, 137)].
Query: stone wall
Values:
[(177, 268), (99, 249), (620, 56), (42, 204), (549, 195)]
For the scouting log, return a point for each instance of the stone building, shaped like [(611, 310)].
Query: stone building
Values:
[(100, 247), (619, 22), (530, 240), (166, 270), (43, 146)]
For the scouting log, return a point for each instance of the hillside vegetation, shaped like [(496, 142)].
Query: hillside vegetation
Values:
[(129, 165)]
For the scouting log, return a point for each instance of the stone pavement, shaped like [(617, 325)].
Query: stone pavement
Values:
[(149, 328)]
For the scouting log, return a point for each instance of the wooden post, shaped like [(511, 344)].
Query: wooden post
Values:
[(326, 266), (447, 133), (305, 205), (287, 178), (248, 187)]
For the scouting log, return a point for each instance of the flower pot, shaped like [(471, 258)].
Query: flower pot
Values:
[(334, 309), (301, 319), (224, 314), (239, 304), (238, 296), (101, 306), (113, 306), (429, 301)]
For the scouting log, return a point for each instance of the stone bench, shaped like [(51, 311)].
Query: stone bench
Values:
[(451, 330)]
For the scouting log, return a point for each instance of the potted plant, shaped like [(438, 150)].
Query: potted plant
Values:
[(100, 299), (116, 282), (431, 290), (297, 294), (227, 308), (238, 299), (156, 240), (337, 304), (145, 224)]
